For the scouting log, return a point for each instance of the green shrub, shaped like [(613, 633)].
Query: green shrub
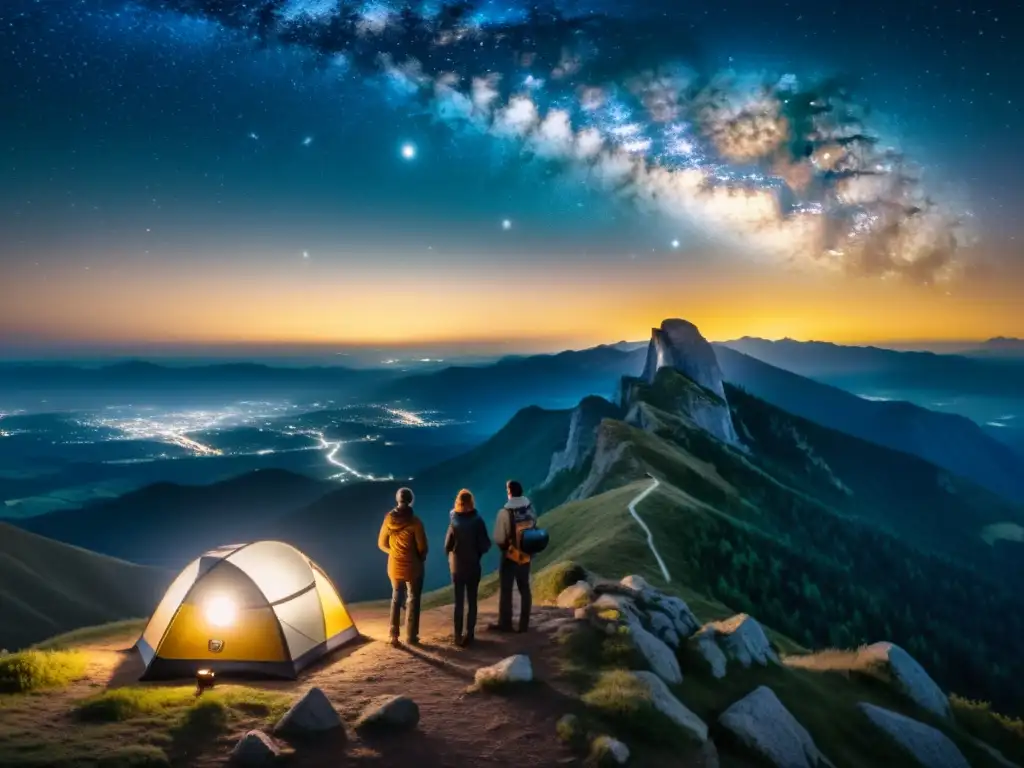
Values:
[(549, 582), (35, 670)]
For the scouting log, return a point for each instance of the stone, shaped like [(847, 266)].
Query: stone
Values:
[(637, 584), (685, 621), (740, 639), (624, 605), (389, 713), (909, 676), (514, 669), (608, 751), (254, 749), (580, 614), (664, 628), (929, 746), (576, 595), (763, 726), (659, 656), (313, 713), (665, 702)]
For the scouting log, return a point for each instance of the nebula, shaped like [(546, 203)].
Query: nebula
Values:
[(779, 167)]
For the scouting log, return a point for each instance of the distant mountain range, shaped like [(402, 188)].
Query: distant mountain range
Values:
[(47, 588), (860, 368)]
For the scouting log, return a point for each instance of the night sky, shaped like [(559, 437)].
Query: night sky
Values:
[(210, 172)]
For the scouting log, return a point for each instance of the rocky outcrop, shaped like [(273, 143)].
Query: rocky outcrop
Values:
[(253, 750), (586, 418), (740, 639), (929, 747), (686, 623), (662, 699), (514, 669), (664, 628), (612, 455), (760, 724), (660, 657), (313, 713), (679, 345), (577, 595), (389, 713), (909, 676)]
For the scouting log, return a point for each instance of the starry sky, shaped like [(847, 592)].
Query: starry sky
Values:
[(212, 173)]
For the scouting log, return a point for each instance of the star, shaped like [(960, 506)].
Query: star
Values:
[(305, 254), (408, 151), (307, 141), (506, 224), (675, 243)]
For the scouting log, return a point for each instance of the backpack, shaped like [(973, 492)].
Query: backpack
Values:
[(515, 551)]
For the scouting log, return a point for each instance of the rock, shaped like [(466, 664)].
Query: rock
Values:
[(580, 614), (666, 703), (555, 624), (575, 596), (929, 746), (680, 346), (680, 613), (514, 669), (313, 713), (740, 639), (664, 628), (608, 751), (389, 712), (586, 418), (659, 656), (909, 676), (624, 605), (761, 723), (638, 585), (254, 749)]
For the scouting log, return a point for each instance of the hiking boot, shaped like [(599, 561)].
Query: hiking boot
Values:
[(394, 642)]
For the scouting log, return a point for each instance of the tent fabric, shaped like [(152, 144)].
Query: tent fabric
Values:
[(258, 609)]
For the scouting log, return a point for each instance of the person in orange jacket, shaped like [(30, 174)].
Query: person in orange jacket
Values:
[(403, 539)]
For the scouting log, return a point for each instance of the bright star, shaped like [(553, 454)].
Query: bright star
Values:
[(305, 254), (408, 151), (506, 224), (675, 243), (307, 141)]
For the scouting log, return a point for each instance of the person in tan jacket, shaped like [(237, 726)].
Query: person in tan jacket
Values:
[(403, 539)]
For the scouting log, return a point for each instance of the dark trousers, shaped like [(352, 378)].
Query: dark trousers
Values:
[(408, 592), (465, 602), (510, 573)]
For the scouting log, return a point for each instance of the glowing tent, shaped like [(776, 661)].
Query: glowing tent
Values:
[(261, 609)]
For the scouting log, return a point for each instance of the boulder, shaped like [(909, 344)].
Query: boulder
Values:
[(663, 627), (677, 609), (514, 669), (763, 726), (929, 746), (909, 676), (665, 702), (389, 713), (313, 713), (637, 585), (620, 603), (659, 656), (606, 751), (740, 639), (254, 749), (576, 595)]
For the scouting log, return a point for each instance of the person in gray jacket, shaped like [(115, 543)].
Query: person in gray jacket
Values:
[(466, 543), (516, 516)]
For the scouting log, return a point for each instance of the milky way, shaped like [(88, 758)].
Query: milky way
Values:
[(781, 167)]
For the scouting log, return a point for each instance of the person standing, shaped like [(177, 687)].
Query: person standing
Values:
[(466, 543), (403, 539), (515, 517)]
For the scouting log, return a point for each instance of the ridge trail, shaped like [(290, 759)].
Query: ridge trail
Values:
[(650, 537)]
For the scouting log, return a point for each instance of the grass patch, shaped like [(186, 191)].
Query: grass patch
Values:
[(212, 708), (549, 583), (95, 634), (1004, 733), (588, 650), (625, 703), (36, 670)]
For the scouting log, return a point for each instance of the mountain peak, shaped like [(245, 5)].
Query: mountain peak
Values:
[(678, 344)]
